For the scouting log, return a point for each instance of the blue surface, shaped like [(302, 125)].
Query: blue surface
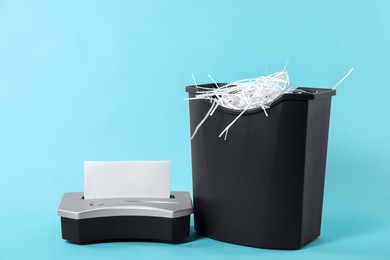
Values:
[(104, 80)]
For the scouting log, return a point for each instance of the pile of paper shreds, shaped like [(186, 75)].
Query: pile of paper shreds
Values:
[(243, 95)]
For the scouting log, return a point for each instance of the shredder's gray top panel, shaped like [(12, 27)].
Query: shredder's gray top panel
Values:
[(74, 206)]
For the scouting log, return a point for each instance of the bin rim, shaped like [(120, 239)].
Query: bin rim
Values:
[(299, 94)]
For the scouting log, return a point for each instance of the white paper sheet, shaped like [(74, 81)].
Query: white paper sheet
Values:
[(127, 179)]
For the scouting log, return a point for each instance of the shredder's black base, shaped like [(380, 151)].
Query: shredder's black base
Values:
[(263, 186), (92, 230)]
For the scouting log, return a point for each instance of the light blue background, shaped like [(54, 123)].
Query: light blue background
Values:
[(104, 80)]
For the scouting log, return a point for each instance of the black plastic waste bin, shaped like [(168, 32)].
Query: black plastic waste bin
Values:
[(263, 186)]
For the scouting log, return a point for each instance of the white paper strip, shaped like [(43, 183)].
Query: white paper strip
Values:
[(127, 179)]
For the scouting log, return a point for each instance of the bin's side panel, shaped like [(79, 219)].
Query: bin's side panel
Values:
[(201, 188), (315, 164), (284, 209)]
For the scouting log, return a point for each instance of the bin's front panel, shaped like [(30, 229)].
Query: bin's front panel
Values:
[(248, 189)]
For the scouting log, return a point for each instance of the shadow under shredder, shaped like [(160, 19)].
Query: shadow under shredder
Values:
[(263, 186)]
